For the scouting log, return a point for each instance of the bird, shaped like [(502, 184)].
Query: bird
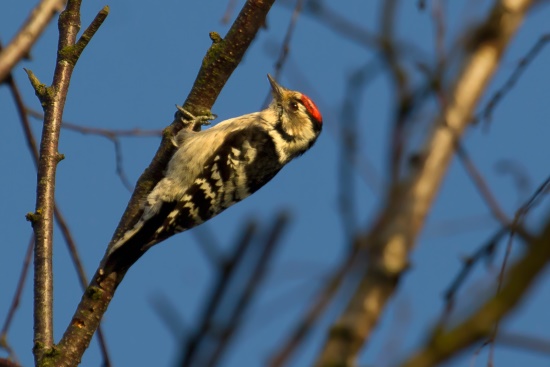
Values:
[(212, 169)]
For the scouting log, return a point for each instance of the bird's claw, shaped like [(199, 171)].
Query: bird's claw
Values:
[(187, 117)]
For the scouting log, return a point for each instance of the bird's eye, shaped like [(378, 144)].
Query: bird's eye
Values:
[(294, 106)]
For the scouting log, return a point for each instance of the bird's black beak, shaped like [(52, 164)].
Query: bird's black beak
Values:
[(276, 88)]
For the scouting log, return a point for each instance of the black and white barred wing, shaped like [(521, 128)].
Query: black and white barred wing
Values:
[(245, 161)]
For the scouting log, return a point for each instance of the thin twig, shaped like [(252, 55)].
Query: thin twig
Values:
[(59, 217), (107, 133), (285, 47), (487, 112), (488, 250), (255, 271), (53, 99), (408, 100), (226, 271), (459, 225), (443, 344), (500, 283), (338, 23), (401, 83), (17, 296), (438, 16), (79, 267), (120, 165), (520, 215), (209, 245), (352, 31), (112, 135), (169, 313), (32, 29), (481, 185), (518, 173), (526, 342), (315, 311), (533, 200), (349, 115)]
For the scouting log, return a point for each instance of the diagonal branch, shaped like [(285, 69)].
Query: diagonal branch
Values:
[(219, 63), (21, 44), (221, 59), (444, 344), (394, 234), (15, 301)]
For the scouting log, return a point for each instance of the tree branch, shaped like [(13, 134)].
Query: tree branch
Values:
[(392, 237), (53, 101), (220, 61), (21, 44), (59, 217), (444, 344)]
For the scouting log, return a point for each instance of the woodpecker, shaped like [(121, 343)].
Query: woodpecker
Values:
[(215, 168)]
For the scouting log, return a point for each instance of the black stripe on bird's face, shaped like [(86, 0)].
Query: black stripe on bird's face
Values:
[(282, 132)]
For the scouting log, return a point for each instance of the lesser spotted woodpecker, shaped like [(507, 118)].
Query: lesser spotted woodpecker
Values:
[(215, 168)]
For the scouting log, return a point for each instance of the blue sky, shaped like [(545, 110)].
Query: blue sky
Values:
[(144, 60)]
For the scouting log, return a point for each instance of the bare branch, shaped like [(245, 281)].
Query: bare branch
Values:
[(226, 271), (218, 64), (285, 47), (22, 43), (393, 236), (443, 344), (487, 113), (53, 99), (220, 61), (257, 261), (315, 311), (113, 136), (481, 185), (330, 18), (17, 296), (487, 250), (62, 223), (526, 342), (107, 133)]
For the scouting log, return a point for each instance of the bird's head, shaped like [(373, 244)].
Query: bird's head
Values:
[(298, 121)]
